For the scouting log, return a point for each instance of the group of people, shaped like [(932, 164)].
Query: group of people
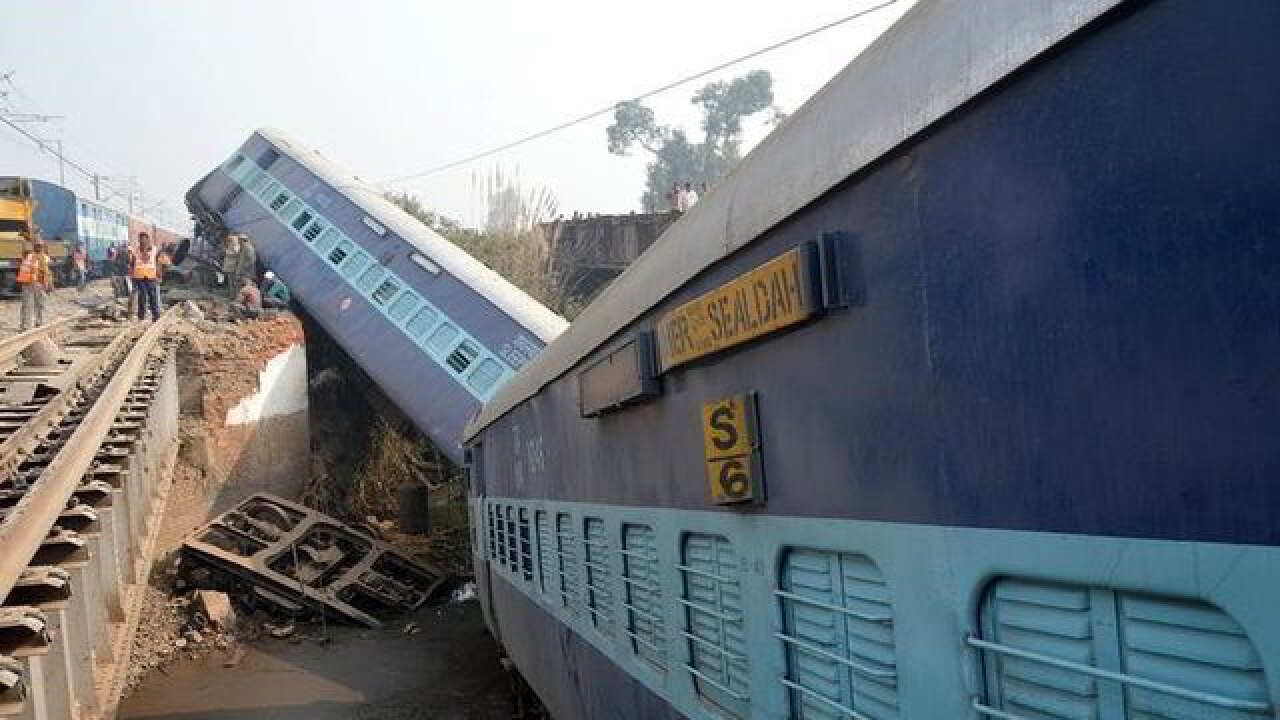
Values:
[(683, 196), (240, 267), (138, 267)]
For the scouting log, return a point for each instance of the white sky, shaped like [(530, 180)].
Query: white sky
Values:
[(165, 90)]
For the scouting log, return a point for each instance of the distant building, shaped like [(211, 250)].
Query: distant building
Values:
[(587, 253)]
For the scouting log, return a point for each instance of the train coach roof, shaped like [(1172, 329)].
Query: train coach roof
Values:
[(939, 55), (508, 298)]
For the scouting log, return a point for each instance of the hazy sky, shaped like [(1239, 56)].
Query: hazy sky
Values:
[(165, 90)]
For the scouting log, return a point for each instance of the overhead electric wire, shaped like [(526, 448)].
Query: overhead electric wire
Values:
[(643, 96)]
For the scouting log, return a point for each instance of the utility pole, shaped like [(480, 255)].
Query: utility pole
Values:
[(97, 187)]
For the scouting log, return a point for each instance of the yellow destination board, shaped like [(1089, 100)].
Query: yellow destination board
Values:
[(730, 450), (771, 297)]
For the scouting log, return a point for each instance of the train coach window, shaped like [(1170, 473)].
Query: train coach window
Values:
[(567, 563), (500, 536), (526, 546), (486, 374), (838, 635), (280, 201), (301, 221), (714, 625), (424, 320), (596, 559), (462, 356), (255, 180), (643, 599), (442, 338), (355, 264), (328, 239), (386, 290), (546, 551), (402, 306), (370, 278), (288, 211), (313, 231), (340, 253), (1053, 650), (233, 163), (513, 543), (492, 527), (269, 190)]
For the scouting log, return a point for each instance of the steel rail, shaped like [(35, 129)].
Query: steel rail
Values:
[(15, 344), (17, 445), (26, 526)]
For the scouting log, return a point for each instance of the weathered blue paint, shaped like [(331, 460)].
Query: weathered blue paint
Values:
[(1064, 370), (1071, 320)]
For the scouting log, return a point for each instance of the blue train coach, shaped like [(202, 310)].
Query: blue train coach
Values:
[(435, 328), (958, 399)]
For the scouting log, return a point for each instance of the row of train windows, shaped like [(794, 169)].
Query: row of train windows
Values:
[(1049, 651), (426, 325)]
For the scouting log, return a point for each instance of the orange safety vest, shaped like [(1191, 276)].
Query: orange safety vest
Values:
[(144, 264), (30, 269)]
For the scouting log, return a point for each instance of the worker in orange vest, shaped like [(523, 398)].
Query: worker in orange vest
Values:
[(80, 266), (35, 279), (145, 269)]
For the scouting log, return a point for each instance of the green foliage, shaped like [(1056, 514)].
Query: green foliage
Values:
[(677, 158), (511, 244)]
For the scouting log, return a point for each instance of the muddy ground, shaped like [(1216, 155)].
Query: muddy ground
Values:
[(446, 666)]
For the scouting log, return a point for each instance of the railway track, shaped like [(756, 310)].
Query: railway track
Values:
[(88, 433)]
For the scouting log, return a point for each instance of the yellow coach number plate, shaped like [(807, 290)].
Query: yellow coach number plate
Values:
[(729, 447), (769, 298)]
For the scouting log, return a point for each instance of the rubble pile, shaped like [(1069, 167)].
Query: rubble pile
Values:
[(181, 627)]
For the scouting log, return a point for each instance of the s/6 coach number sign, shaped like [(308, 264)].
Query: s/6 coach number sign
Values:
[(731, 450)]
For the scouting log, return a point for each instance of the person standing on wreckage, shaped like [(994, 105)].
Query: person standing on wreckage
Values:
[(231, 265)]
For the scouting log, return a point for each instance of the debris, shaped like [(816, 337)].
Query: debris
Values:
[(216, 608), (190, 310), (412, 628), (179, 643), (463, 593), (235, 657), (193, 636), (280, 631), (296, 559)]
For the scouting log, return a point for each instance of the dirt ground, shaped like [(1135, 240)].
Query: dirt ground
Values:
[(60, 303)]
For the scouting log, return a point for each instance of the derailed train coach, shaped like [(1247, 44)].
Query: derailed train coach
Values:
[(957, 399), (435, 328)]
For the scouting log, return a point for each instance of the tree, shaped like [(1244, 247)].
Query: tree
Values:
[(677, 158)]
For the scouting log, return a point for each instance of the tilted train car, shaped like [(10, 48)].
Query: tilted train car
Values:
[(435, 328), (958, 399)]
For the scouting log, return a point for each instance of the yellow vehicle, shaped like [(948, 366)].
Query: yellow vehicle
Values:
[(35, 207), (17, 210)]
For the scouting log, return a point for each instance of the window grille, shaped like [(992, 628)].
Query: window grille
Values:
[(1057, 652), (462, 356), (838, 636), (567, 563), (643, 599), (596, 559), (714, 623)]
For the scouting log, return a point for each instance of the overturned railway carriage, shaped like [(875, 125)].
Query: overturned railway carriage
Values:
[(435, 328), (957, 400)]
